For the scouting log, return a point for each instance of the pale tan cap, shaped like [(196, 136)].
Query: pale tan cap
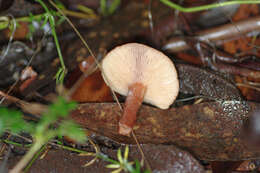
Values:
[(134, 62)]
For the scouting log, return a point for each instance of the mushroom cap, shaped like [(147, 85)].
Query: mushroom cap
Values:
[(138, 63)]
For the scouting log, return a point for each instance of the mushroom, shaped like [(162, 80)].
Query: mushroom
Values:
[(143, 74)]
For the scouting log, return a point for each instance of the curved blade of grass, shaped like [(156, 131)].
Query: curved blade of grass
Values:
[(207, 7)]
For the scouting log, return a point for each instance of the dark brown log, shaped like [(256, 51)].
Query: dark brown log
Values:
[(211, 131)]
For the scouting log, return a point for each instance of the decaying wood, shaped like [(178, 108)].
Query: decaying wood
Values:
[(167, 158), (199, 81), (211, 131)]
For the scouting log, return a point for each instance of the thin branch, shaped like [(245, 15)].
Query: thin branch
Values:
[(217, 35)]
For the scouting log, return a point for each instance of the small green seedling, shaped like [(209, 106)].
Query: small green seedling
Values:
[(44, 130), (122, 164)]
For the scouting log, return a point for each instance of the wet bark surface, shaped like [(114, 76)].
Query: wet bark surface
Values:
[(199, 81), (210, 131)]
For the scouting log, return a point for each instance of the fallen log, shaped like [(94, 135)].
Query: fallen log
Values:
[(210, 131)]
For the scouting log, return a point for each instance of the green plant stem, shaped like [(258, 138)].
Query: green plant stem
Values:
[(27, 19), (33, 159), (24, 161), (61, 73), (57, 45), (16, 144), (79, 15), (51, 143), (85, 9), (43, 5), (105, 158), (207, 7), (52, 23), (71, 149)]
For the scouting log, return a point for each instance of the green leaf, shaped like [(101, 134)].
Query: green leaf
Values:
[(31, 17), (60, 75), (61, 20), (44, 21), (137, 166), (126, 152), (117, 171), (12, 120), (4, 22), (72, 130), (119, 156), (51, 20), (115, 4), (59, 109), (146, 171), (113, 166), (128, 166), (103, 7)]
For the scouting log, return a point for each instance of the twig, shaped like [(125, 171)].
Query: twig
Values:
[(141, 151), (248, 86), (217, 35), (34, 108)]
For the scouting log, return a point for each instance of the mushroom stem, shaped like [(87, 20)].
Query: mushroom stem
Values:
[(134, 100)]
